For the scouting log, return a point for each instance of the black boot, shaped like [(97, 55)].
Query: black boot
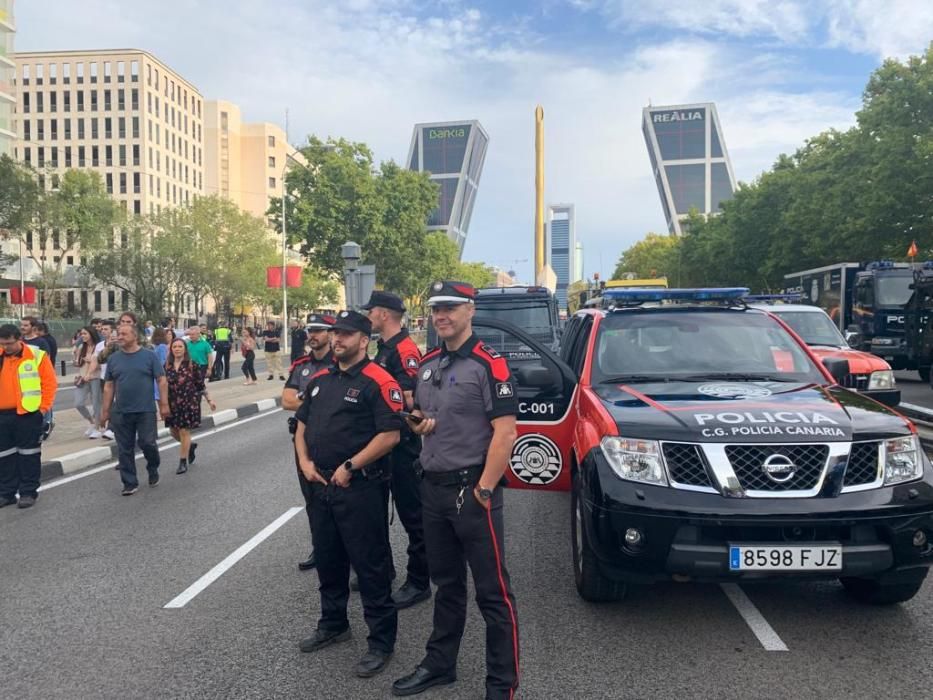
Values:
[(191, 450), (182, 466)]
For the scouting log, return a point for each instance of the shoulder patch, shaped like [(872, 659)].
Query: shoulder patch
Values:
[(388, 387), (409, 355), (496, 363)]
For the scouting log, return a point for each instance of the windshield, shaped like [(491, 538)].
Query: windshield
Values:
[(696, 345), (531, 318), (815, 327), (892, 290)]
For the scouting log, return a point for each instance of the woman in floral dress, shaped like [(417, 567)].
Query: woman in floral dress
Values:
[(185, 387)]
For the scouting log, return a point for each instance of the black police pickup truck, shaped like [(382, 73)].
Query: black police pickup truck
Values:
[(702, 440)]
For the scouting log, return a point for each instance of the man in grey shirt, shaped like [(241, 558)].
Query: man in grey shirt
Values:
[(130, 374)]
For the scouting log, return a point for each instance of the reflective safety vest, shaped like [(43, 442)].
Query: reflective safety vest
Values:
[(222, 334), (30, 386)]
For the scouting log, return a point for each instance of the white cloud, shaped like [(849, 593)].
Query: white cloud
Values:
[(371, 69), (894, 28)]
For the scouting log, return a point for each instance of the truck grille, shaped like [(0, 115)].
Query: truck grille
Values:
[(859, 382), (685, 464), (862, 467), (748, 460)]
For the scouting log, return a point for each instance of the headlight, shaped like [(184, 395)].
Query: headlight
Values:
[(635, 460), (902, 460), (883, 379)]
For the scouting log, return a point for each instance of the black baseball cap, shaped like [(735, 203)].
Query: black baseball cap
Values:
[(353, 321), (386, 300), (450, 292), (320, 322)]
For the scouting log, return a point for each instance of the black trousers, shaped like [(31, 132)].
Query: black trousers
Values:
[(20, 454), (473, 536), (222, 359), (248, 367), (306, 489), (348, 528), (406, 494), (130, 429)]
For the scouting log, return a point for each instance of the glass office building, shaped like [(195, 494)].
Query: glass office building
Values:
[(689, 160), (562, 248), (453, 152)]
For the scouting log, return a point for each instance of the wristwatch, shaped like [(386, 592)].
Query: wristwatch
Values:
[(348, 465), (485, 494)]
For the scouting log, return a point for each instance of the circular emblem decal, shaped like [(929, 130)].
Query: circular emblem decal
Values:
[(305, 372), (535, 459), (315, 390), (779, 468), (438, 286), (344, 314), (426, 375), (734, 391)]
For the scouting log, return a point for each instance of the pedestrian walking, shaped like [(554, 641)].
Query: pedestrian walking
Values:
[(223, 336), (319, 357), (299, 336), (200, 351), (185, 387), (347, 425), (129, 406), (43, 329), (248, 350), (27, 391), (105, 347), (88, 382), (29, 331), (271, 348), (398, 354), (466, 412)]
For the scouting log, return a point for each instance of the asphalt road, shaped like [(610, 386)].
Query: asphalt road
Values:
[(85, 577), (913, 390)]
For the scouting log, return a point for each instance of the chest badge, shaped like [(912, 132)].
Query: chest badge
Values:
[(305, 372), (315, 391), (353, 396), (426, 375)]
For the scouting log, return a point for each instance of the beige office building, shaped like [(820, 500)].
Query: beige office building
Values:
[(122, 113), (7, 68), (243, 162)]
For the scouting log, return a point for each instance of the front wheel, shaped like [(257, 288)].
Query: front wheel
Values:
[(592, 585), (874, 592)]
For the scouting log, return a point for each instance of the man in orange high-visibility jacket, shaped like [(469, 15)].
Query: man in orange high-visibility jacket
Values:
[(27, 392)]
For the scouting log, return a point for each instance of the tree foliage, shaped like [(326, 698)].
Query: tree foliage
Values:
[(854, 195)]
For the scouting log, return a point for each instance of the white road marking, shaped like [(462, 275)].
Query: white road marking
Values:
[(207, 579), (754, 619), (167, 445)]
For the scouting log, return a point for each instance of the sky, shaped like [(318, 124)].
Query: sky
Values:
[(779, 71)]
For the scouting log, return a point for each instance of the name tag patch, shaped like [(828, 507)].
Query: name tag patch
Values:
[(353, 396)]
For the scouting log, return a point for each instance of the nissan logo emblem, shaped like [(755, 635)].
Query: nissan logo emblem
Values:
[(779, 468)]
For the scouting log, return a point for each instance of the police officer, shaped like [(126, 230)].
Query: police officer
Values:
[(347, 426), (27, 391), (320, 357), (466, 411), (222, 338), (398, 354)]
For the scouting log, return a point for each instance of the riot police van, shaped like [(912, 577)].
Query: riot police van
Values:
[(701, 439)]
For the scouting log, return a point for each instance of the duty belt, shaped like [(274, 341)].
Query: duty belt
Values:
[(364, 474), (460, 477)]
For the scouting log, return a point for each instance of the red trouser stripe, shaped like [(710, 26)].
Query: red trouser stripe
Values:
[(505, 597)]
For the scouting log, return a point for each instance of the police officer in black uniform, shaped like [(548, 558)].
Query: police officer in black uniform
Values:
[(400, 356), (347, 426), (465, 400), (319, 357)]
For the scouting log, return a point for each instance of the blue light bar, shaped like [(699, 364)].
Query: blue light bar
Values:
[(879, 265), (709, 294), (766, 298), (928, 265)]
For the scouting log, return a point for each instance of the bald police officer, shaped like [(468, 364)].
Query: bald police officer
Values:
[(347, 426), (319, 357), (465, 398), (398, 354)]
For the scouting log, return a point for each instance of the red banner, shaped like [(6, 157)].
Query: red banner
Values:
[(29, 295), (292, 276)]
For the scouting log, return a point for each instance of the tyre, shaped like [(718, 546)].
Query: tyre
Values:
[(592, 585), (924, 373), (874, 592)]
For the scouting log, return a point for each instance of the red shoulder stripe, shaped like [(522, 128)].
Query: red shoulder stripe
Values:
[(498, 365), (388, 387), (299, 361), (434, 352), (319, 373)]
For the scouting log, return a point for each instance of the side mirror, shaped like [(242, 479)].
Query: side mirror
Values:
[(838, 368), (536, 376)]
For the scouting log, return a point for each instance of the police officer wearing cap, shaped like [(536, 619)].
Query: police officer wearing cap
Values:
[(319, 357), (347, 426), (400, 356), (466, 408)]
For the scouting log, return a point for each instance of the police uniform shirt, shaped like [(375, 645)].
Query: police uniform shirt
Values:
[(304, 368), (463, 391), (400, 357), (343, 410)]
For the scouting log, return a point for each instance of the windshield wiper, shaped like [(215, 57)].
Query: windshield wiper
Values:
[(634, 379), (735, 377)]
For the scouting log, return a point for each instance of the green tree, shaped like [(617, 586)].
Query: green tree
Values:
[(655, 255)]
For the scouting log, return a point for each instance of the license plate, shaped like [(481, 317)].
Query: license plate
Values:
[(785, 558)]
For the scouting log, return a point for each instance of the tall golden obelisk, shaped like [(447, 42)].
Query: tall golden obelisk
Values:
[(539, 196)]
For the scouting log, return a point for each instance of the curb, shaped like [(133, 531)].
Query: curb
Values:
[(90, 457)]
